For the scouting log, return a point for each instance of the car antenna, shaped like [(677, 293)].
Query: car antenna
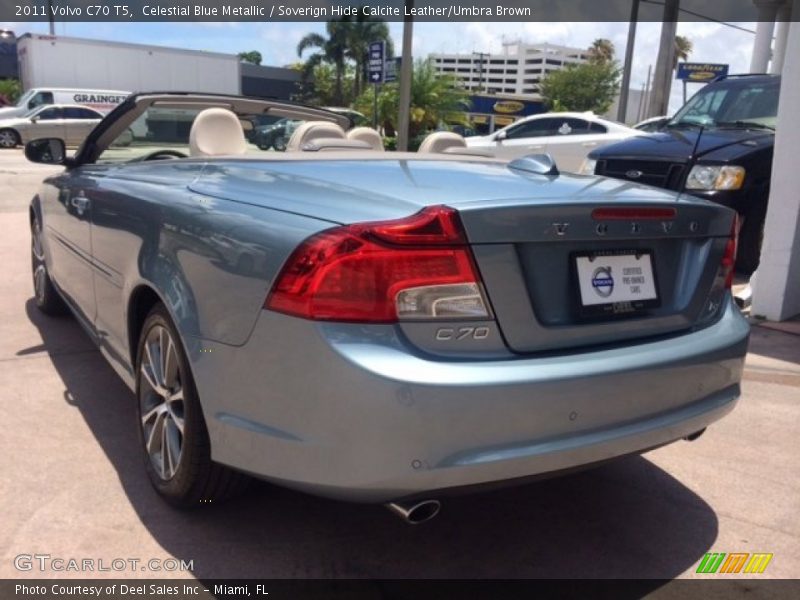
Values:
[(693, 155)]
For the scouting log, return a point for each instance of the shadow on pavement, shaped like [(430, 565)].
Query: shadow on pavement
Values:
[(627, 519), (774, 344)]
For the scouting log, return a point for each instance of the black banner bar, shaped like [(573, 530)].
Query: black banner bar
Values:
[(387, 10)]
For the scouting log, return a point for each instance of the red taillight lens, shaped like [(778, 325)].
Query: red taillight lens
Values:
[(418, 267), (729, 258)]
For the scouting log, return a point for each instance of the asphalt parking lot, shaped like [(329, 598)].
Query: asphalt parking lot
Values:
[(73, 484)]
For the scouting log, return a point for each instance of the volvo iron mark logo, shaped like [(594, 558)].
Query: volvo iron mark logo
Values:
[(633, 174), (603, 282)]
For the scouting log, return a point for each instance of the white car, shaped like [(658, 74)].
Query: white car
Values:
[(567, 136)]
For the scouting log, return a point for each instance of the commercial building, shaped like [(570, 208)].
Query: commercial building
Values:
[(518, 69), (8, 54)]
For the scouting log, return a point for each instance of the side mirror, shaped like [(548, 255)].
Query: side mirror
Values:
[(500, 135), (35, 119), (48, 151)]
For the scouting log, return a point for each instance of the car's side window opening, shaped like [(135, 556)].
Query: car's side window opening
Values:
[(40, 99), (161, 128)]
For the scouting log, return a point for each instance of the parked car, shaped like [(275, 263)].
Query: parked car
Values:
[(409, 324), (70, 122), (276, 135), (718, 147), (99, 100), (357, 119), (566, 136), (652, 124)]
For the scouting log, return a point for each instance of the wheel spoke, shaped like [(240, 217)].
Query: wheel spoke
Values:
[(173, 446), (170, 364), (164, 448), (153, 412), (156, 434), (178, 421), (151, 381)]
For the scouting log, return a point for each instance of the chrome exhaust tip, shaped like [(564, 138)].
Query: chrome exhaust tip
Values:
[(415, 513), (693, 436)]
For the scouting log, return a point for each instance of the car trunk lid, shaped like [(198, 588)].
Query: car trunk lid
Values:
[(648, 271)]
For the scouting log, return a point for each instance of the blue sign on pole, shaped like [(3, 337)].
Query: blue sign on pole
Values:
[(375, 60), (701, 72), (390, 72)]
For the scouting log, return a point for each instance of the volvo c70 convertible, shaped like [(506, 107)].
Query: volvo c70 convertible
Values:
[(379, 326)]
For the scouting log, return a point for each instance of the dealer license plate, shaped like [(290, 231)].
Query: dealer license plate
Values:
[(616, 282)]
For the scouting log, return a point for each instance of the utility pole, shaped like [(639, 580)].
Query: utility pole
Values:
[(626, 69), (50, 17), (662, 80), (480, 55), (405, 80)]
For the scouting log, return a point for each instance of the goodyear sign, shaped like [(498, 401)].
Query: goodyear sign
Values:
[(701, 72), (508, 107)]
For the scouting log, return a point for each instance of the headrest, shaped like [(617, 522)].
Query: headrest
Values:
[(313, 130), (368, 135), (216, 132), (440, 141)]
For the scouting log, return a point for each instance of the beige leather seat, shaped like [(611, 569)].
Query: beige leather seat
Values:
[(311, 131), (368, 135), (216, 132), (441, 141)]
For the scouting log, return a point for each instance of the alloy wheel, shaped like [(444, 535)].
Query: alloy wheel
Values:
[(39, 269), (8, 139), (162, 402)]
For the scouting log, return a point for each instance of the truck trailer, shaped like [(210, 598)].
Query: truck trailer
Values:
[(67, 62)]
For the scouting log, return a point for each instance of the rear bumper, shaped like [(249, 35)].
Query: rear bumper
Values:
[(349, 412)]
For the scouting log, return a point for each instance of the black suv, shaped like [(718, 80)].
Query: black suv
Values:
[(718, 146)]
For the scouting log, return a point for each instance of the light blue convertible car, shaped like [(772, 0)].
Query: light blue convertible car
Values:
[(379, 326)]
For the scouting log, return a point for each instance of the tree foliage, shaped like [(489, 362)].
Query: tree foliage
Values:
[(436, 100), (683, 48), (601, 51), (318, 87), (589, 86), (344, 45), (252, 57), (10, 89)]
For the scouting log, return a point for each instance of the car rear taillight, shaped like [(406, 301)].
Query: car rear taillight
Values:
[(729, 258), (415, 268)]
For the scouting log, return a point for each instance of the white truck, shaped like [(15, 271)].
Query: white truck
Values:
[(66, 62)]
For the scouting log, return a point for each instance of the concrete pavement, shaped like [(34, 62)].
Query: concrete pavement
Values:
[(72, 483)]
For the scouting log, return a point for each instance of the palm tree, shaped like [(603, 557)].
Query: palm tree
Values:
[(683, 48), (435, 100), (362, 31), (601, 51), (333, 50)]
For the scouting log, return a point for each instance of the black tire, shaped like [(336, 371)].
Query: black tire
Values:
[(193, 479), (279, 144), (47, 298), (9, 138)]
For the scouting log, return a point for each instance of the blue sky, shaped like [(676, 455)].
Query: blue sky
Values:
[(277, 41)]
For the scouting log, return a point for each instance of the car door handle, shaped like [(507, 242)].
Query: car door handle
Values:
[(81, 203)]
